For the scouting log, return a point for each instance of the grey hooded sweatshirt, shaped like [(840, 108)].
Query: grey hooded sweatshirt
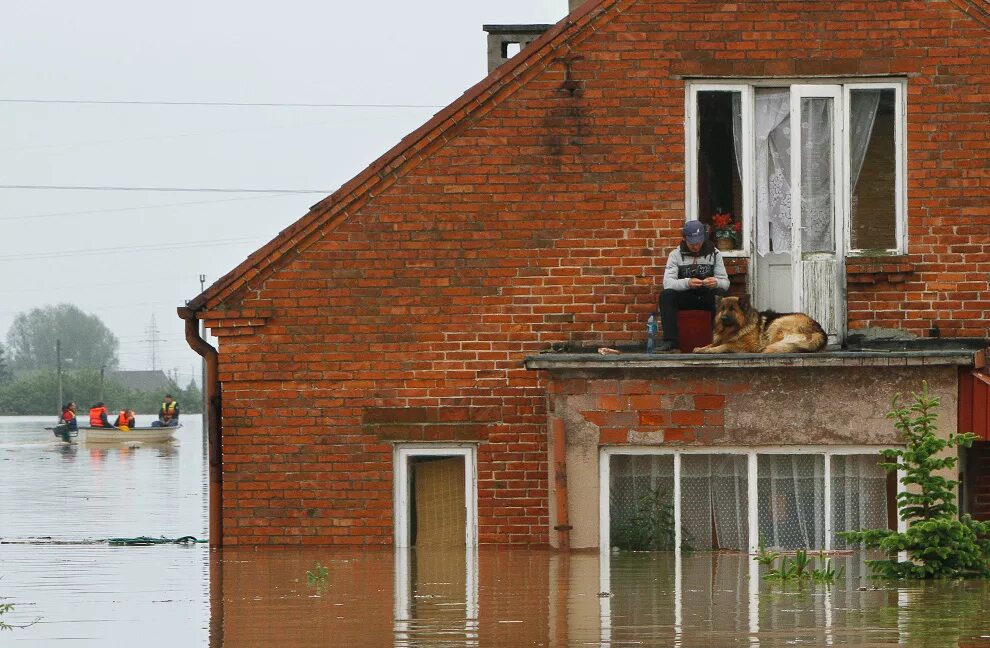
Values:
[(683, 265)]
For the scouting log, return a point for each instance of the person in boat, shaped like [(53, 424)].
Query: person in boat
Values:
[(125, 420), (168, 415), (98, 416), (68, 418)]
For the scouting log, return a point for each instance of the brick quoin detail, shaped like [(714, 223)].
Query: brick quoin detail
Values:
[(660, 411), (539, 208)]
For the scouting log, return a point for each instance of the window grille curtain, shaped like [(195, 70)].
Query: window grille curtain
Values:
[(791, 501), (714, 505), (859, 495), (772, 116), (817, 182)]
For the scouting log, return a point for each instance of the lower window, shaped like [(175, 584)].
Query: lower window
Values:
[(662, 499)]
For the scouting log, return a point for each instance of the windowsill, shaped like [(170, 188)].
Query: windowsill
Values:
[(869, 254)]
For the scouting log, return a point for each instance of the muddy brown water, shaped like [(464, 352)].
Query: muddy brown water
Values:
[(58, 502)]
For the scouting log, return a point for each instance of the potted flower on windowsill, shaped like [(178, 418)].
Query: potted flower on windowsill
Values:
[(728, 233)]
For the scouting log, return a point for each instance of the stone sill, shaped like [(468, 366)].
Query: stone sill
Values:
[(866, 358)]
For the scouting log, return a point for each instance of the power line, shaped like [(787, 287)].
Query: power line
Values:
[(238, 104), (132, 249), (186, 189), (124, 209)]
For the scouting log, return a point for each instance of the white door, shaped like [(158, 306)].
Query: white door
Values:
[(818, 274)]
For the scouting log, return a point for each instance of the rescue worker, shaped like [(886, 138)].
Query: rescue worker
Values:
[(68, 418), (125, 420), (168, 415), (98, 416)]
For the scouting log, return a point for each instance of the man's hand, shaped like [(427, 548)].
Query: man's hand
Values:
[(710, 282), (695, 283)]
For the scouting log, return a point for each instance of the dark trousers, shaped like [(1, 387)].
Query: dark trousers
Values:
[(672, 301)]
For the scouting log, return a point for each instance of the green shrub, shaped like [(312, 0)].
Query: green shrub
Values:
[(938, 544)]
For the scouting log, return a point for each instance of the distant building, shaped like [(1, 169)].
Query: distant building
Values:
[(145, 381)]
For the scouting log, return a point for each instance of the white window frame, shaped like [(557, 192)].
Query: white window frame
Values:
[(900, 165), (400, 462), (604, 480), (747, 88), (691, 153)]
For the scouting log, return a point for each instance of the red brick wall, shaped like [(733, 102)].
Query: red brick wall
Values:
[(547, 218)]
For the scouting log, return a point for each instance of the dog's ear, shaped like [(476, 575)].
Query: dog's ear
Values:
[(718, 302), (744, 303)]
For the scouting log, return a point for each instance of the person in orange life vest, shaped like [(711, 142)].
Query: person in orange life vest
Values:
[(68, 417), (125, 420), (168, 415), (98, 416)]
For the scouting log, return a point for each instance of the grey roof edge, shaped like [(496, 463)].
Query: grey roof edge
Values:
[(532, 28), (590, 361)]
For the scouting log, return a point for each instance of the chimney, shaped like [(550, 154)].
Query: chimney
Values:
[(504, 41)]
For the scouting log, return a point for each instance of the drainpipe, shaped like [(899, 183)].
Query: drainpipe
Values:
[(563, 526), (214, 427)]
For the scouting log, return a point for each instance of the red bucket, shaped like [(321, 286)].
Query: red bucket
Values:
[(694, 329)]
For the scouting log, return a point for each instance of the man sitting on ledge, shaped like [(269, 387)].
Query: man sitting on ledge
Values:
[(694, 276)]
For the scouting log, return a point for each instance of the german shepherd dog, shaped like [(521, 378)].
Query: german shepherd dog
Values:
[(739, 328)]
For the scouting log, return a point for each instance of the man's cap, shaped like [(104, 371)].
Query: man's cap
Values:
[(694, 232)]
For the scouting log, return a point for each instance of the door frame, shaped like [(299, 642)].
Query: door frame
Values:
[(400, 462), (838, 299)]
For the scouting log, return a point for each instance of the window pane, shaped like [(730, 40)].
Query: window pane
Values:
[(817, 185), (641, 502), (872, 169), (859, 495), (719, 169), (714, 506), (791, 501)]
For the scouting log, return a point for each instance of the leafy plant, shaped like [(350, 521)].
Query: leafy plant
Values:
[(317, 577), (800, 568), (650, 528), (764, 557), (937, 543), (4, 609), (826, 573)]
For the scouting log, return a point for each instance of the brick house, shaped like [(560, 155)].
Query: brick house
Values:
[(380, 374)]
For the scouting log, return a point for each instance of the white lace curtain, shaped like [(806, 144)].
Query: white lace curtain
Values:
[(772, 120), (772, 116)]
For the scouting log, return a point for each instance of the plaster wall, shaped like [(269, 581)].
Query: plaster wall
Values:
[(728, 407)]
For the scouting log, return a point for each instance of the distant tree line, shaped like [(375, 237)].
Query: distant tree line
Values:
[(46, 341), (36, 393)]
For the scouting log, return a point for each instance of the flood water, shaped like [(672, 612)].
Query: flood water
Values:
[(58, 502)]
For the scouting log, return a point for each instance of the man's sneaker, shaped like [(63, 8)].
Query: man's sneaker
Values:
[(665, 345)]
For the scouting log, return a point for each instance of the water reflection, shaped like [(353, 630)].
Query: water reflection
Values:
[(524, 597)]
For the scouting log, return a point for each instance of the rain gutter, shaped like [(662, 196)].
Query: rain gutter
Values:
[(213, 422)]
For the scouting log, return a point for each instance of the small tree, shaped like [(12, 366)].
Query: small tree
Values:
[(938, 544)]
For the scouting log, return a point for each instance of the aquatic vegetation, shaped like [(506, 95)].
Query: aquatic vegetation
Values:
[(798, 568), (317, 577), (937, 543), (4, 609)]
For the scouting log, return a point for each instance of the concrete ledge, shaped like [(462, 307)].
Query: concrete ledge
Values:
[(585, 361)]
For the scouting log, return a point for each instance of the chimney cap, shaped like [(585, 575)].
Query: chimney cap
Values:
[(516, 29)]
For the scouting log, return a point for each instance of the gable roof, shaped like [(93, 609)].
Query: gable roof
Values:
[(325, 215), (408, 153)]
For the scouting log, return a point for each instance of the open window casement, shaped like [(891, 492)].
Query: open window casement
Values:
[(811, 172)]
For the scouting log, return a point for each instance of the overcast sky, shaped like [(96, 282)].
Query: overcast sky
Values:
[(132, 256)]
